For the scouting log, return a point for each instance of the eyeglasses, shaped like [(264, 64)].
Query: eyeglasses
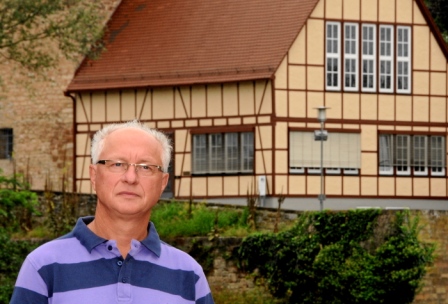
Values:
[(120, 167)]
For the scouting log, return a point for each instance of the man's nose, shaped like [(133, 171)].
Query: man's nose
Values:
[(131, 175)]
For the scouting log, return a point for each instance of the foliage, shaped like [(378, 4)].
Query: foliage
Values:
[(60, 217), (439, 12), (30, 28), (17, 204), (174, 219), (12, 254), (341, 257)]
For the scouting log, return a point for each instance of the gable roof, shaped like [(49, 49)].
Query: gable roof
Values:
[(169, 42)]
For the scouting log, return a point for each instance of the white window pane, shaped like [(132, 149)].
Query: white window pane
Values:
[(351, 57), (231, 152), (216, 153), (402, 153), (437, 155), (368, 58), (333, 56), (386, 154), (200, 153), (419, 159), (247, 143), (403, 59)]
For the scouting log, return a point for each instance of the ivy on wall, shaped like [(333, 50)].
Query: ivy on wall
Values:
[(357, 256)]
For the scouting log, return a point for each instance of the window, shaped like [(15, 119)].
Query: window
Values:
[(375, 58), (403, 154), (386, 58), (351, 56), (333, 56), (403, 59), (223, 153), (437, 155), (342, 153), (420, 155), (6, 137), (368, 58), (419, 161)]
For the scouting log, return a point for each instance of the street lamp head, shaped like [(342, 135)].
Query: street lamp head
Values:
[(321, 114)]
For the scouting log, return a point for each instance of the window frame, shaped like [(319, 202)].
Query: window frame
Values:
[(403, 154), (441, 156), (368, 57), (351, 56), (404, 59), (421, 152), (330, 54), (388, 58), (6, 143), (423, 156), (342, 153), (210, 153)]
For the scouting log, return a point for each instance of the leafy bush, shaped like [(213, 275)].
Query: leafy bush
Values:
[(341, 257), (12, 254), (17, 204)]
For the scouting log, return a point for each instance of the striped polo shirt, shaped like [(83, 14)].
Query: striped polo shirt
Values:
[(81, 267)]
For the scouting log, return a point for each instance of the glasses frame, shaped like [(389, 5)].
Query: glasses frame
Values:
[(136, 166)]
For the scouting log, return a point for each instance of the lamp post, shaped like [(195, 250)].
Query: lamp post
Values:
[(321, 135)]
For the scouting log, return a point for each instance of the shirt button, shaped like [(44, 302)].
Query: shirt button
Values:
[(124, 280), (109, 247), (119, 263)]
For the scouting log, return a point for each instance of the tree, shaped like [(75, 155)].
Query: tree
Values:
[(35, 33), (439, 12)]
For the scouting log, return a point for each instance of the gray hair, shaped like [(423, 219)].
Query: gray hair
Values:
[(98, 140)]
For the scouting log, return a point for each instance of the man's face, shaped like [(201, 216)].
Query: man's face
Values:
[(129, 193)]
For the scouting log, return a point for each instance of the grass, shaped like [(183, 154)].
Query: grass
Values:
[(256, 295), (174, 219)]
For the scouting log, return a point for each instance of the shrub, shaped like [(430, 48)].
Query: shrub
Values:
[(341, 257), (17, 204), (12, 254)]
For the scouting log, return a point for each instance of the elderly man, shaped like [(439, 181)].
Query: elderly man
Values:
[(116, 256)]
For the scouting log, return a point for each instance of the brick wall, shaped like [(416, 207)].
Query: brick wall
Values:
[(42, 120)]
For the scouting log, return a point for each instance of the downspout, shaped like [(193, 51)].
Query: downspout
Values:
[(73, 97)]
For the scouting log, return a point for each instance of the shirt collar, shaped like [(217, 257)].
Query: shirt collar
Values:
[(90, 240)]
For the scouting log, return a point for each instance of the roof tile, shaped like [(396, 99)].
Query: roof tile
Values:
[(169, 42)]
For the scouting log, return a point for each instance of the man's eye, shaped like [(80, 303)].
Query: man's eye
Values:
[(145, 167), (117, 164)]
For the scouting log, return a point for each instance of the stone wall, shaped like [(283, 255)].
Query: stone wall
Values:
[(42, 121), (435, 229)]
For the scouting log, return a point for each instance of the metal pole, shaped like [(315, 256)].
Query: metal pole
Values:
[(321, 196)]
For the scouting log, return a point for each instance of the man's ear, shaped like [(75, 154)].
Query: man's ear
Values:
[(92, 172), (165, 179)]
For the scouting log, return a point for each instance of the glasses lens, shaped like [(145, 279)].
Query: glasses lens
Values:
[(117, 167), (147, 170)]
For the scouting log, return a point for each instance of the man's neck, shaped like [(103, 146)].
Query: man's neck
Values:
[(122, 230)]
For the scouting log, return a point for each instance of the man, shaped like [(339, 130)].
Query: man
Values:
[(116, 256)]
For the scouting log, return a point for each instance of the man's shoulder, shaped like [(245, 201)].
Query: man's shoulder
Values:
[(55, 250)]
